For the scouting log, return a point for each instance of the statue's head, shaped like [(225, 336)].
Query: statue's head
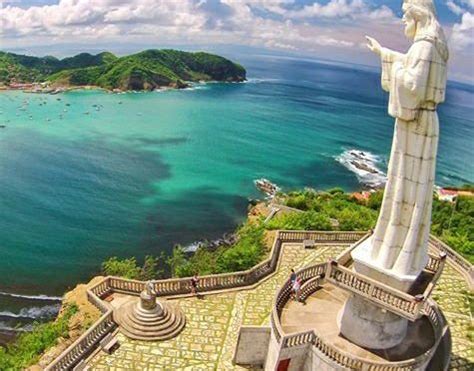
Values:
[(418, 16)]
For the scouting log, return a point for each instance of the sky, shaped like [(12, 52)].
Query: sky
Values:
[(327, 29)]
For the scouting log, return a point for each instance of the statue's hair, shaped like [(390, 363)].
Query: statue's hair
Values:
[(424, 13)]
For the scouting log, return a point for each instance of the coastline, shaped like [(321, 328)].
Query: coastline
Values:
[(57, 89)]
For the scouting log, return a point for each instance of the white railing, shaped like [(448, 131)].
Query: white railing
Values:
[(170, 287), (387, 297), (88, 340), (466, 268), (339, 357), (85, 344)]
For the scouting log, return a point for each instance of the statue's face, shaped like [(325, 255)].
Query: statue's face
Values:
[(410, 23)]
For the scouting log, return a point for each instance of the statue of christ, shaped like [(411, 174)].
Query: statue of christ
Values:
[(416, 82)]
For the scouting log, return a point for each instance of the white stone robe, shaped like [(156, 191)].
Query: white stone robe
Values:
[(416, 82)]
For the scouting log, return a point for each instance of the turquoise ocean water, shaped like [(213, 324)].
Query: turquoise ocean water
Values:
[(87, 175)]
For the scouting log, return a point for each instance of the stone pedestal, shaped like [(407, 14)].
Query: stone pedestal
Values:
[(148, 301), (370, 326), (363, 264), (364, 323)]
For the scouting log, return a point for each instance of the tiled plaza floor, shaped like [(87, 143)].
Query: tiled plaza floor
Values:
[(209, 338)]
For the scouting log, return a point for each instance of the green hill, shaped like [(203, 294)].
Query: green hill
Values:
[(146, 70)]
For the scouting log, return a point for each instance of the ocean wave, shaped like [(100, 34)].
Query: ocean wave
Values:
[(33, 312), (255, 80), (32, 297), (197, 87), (192, 247), (227, 239), (364, 165)]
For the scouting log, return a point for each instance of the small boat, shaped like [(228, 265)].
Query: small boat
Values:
[(267, 187)]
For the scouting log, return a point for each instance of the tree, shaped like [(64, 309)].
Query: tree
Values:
[(126, 268), (149, 271)]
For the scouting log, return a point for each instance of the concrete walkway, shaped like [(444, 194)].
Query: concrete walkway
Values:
[(209, 338)]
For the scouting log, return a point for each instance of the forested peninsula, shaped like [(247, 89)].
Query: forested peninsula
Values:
[(148, 70)]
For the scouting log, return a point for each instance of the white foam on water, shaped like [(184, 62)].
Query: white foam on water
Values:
[(259, 80), (201, 86), (192, 247), (32, 297), (368, 172), (33, 312)]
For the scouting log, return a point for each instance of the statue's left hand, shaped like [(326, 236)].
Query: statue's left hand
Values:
[(373, 45)]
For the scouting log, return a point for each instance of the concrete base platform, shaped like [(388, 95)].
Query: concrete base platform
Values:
[(320, 312)]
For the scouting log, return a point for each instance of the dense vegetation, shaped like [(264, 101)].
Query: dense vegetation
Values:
[(248, 251), (331, 210), (28, 347), (147, 70), (452, 222), (129, 268)]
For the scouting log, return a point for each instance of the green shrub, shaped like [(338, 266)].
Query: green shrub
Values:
[(306, 221), (150, 270), (453, 223), (28, 347), (126, 268), (375, 200), (246, 253)]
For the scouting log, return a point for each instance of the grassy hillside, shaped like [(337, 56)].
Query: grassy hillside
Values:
[(146, 70)]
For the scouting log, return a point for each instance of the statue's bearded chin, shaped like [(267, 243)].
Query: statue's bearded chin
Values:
[(410, 30)]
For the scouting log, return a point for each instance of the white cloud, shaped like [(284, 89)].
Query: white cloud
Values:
[(456, 9), (462, 35), (355, 9), (332, 27)]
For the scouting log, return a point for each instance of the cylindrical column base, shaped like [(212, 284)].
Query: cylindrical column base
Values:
[(369, 326)]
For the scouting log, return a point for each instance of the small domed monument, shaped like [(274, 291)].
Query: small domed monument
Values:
[(149, 319)]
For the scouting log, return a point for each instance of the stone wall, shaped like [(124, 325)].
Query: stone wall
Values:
[(252, 345)]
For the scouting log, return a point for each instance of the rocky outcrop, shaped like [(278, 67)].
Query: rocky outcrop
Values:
[(86, 315)]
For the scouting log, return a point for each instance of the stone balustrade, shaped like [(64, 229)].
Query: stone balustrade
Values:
[(334, 355), (87, 341), (321, 236), (387, 297), (464, 267), (311, 277)]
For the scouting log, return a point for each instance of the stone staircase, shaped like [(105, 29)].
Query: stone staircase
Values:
[(163, 322)]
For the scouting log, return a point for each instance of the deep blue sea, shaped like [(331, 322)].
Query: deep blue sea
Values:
[(87, 174)]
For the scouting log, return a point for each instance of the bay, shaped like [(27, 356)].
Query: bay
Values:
[(86, 175)]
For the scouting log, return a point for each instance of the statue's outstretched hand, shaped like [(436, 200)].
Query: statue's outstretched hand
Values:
[(373, 45)]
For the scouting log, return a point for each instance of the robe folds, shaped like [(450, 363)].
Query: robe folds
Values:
[(416, 82)]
